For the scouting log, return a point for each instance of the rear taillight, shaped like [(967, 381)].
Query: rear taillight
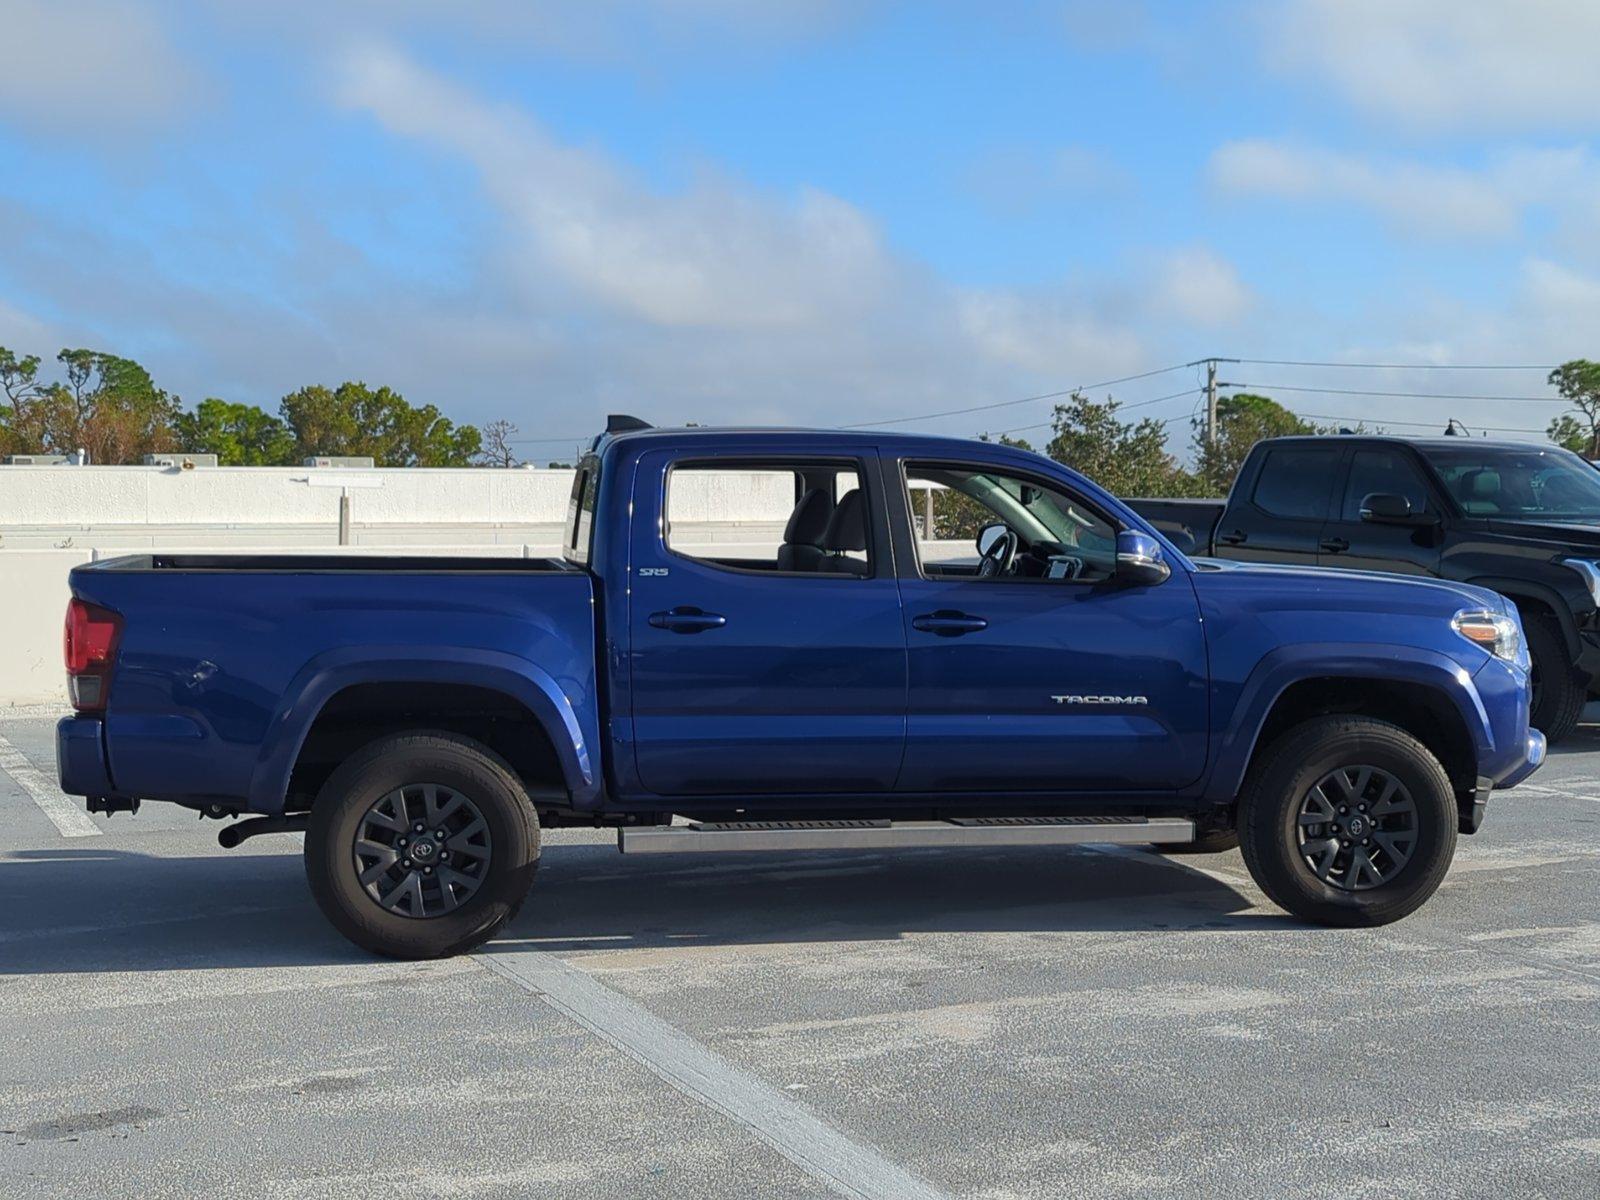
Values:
[(91, 650)]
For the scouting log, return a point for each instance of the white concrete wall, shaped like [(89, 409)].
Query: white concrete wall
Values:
[(33, 601), (54, 518), (42, 507)]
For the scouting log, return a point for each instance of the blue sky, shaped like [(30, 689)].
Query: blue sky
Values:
[(805, 210)]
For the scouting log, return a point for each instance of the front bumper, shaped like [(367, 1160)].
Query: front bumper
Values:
[(1533, 756), (1473, 808)]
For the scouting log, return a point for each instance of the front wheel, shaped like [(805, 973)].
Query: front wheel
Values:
[(1348, 821), (421, 845)]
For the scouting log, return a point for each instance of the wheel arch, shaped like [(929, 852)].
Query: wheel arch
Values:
[(465, 683), (1425, 693)]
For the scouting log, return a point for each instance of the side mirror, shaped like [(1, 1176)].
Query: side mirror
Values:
[(989, 537), (1140, 560), (1384, 508)]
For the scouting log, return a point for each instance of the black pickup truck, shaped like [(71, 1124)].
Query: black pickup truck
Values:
[(1521, 519)]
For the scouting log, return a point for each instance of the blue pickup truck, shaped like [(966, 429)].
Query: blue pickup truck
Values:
[(946, 643)]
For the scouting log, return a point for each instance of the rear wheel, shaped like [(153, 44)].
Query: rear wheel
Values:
[(421, 845), (1348, 821), (1558, 690)]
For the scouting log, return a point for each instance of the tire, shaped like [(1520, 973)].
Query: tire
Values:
[(1559, 690), (1327, 755), (1217, 841), (482, 869)]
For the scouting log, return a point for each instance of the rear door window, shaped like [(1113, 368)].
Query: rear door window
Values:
[(1296, 482)]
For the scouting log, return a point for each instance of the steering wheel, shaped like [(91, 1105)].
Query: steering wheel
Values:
[(996, 560)]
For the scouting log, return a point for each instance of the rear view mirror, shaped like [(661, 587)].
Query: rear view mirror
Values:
[(1140, 559)]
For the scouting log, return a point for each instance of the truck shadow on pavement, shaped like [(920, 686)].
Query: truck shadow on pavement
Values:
[(102, 910)]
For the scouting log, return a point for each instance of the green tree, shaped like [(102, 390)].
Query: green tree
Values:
[(1128, 459), (106, 405), (1566, 430), (19, 379), (354, 419), (240, 435), (1243, 419), (1578, 382)]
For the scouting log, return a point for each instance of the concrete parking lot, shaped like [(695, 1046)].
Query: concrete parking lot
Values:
[(179, 1021)]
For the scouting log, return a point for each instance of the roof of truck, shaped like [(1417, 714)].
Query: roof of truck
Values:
[(1423, 443), (839, 436)]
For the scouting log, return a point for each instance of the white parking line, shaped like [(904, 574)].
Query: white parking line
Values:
[(848, 1167), (67, 817)]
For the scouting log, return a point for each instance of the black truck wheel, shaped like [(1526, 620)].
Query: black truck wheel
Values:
[(1559, 692), (421, 845), (1347, 821)]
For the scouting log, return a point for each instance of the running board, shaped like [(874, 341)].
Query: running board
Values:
[(742, 836)]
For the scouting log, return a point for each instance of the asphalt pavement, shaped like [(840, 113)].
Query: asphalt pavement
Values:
[(178, 1020)]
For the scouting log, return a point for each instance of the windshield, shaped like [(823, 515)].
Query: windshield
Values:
[(1520, 485)]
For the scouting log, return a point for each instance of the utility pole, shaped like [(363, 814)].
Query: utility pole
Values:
[(1211, 402)]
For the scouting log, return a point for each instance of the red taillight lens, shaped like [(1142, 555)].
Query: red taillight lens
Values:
[(91, 649)]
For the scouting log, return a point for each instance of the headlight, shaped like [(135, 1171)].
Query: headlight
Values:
[(1591, 575), (1497, 633)]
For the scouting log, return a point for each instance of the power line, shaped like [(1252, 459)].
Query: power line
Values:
[(1120, 408), (1284, 387), (1298, 362), (1082, 387)]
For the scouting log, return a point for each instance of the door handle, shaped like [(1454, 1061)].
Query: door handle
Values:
[(1236, 538), (1335, 545), (948, 624), (687, 619)]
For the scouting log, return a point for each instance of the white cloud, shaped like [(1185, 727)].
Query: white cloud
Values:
[(1414, 196), (1446, 63), (715, 256), (1045, 335), (92, 67), (1201, 288), (723, 292)]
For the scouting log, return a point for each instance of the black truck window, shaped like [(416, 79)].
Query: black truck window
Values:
[(1296, 481), (1382, 471)]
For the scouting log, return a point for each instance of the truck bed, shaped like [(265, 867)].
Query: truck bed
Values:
[(225, 659)]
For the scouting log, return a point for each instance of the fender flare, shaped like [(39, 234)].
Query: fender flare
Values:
[(328, 674), (1288, 665)]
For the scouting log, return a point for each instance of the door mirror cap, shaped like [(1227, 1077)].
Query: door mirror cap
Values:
[(1140, 559), (989, 537), (1385, 508)]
